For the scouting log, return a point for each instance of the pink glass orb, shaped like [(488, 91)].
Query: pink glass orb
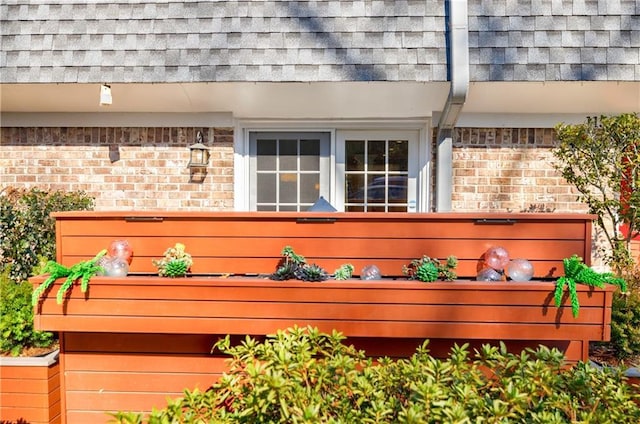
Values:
[(520, 270), (120, 249), (497, 258)]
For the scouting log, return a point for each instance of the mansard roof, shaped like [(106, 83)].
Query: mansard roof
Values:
[(154, 41)]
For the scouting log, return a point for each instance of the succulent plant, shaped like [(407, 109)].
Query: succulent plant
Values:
[(284, 272), (430, 269), (173, 254), (344, 272), (427, 272), (175, 268), (311, 272)]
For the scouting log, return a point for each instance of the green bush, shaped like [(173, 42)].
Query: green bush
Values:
[(28, 229), (16, 318), (625, 317), (304, 376)]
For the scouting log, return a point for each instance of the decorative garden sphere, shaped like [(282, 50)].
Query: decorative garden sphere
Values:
[(370, 272), (116, 267), (520, 270), (120, 249), (497, 257), (488, 274)]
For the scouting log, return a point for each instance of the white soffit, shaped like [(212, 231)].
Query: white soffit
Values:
[(586, 97), (243, 100), (488, 104)]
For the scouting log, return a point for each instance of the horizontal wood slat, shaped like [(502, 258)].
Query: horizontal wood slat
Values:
[(478, 329), (212, 310), (143, 288)]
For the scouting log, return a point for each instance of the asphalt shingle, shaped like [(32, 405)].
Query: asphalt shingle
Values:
[(323, 40)]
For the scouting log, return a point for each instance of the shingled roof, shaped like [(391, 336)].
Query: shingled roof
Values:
[(74, 41)]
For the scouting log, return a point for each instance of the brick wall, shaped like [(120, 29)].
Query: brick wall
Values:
[(493, 169), (149, 171), (508, 169)]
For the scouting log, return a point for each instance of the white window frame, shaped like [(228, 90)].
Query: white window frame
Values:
[(421, 166)]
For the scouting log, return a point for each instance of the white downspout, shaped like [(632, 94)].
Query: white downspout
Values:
[(458, 32)]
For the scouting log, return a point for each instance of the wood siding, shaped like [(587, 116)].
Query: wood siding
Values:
[(129, 343), (30, 393)]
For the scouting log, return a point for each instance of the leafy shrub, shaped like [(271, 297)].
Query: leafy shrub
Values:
[(601, 159), (302, 375), (28, 230), (16, 318), (625, 317)]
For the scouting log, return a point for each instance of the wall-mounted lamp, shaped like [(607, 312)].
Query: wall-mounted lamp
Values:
[(199, 154), (105, 95)]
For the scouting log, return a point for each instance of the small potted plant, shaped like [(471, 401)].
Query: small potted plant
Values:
[(428, 269), (175, 263)]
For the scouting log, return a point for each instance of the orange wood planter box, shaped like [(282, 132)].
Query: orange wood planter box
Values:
[(30, 389), (128, 343)]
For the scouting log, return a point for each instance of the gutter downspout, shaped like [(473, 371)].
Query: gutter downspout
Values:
[(458, 31)]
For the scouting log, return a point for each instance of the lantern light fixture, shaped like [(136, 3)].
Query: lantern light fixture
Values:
[(105, 95), (198, 153)]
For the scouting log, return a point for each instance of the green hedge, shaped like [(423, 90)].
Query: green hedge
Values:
[(28, 230), (304, 376), (16, 318), (28, 240)]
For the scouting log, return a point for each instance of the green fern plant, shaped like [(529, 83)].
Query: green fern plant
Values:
[(430, 269), (82, 271), (577, 272)]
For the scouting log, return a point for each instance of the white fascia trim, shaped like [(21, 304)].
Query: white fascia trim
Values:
[(115, 119)]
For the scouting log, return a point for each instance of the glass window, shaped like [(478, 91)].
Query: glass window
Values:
[(289, 171), (376, 175), (354, 170)]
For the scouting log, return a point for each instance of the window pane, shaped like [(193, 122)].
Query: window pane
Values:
[(355, 188), (377, 188), (310, 155), (397, 208), (399, 155), (376, 155), (267, 208), (288, 208), (376, 209), (397, 188), (288, 155), (266, 150), (266, 187), (354, 155), (309, 188), (288, 188), (354, 208)]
